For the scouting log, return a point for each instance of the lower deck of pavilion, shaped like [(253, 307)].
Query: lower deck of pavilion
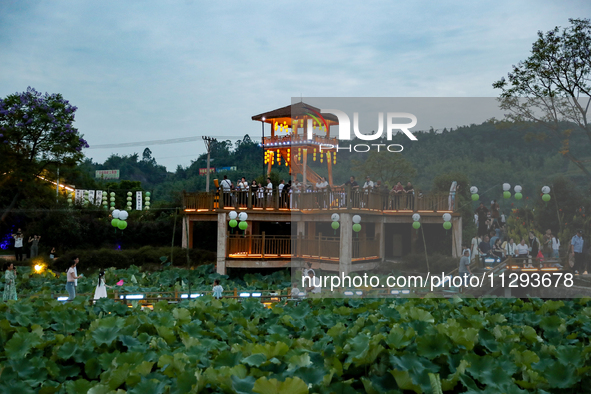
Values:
[(288, 239)]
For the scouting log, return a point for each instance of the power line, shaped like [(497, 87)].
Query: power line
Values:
[(160, 142)]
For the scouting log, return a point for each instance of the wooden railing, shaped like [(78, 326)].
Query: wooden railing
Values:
[(286, 246), (328, 199)]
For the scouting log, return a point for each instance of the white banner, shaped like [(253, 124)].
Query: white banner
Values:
[(138, 201), (79, 196), (91, 196), (99, 197)]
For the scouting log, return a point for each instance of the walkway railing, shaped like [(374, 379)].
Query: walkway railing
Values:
[(327, 199), (287, 246)]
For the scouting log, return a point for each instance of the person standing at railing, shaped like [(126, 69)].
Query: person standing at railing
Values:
[(410, 194), (510, 248), (482, 213), (280, 193), (556, 246), (269, 192), (464, 269), (397, 191), (242, 191), (576, 248), (226, 189), (523, 253)]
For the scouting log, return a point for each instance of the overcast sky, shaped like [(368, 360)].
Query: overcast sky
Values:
[(150, 70)]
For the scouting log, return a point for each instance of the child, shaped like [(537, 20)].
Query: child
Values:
[(217, 289), (294, 290)]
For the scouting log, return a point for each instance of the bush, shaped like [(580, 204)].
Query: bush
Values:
[(437, 263), (121, 259)]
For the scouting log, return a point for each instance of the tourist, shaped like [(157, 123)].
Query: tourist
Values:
[(523, 253), (52, 253), (547, 245), (368, 185), (322, 184), (34, 245), (253, 188), (493, 238), (494, 211), (269, 191), (503, 219), (481, 211), (101, 287), (314, 282), (556, 246), (217, 289), (9, 282), (260, 195), (226, 188), (576, 250), (18, 245), (497, 250), (294, 290), (474, 243), (72, 279), (464, 269), (410, 191), (510, 248), (484, 248), (534, 245)]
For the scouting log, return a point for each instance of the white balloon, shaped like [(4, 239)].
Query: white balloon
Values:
[(506, 187), (517, 189), (233, 215), (473, 190), (335, 217), (242, 216), (356, 219), (416, 217), (446, 217), (546, 190), (123, 215), (116, 213)]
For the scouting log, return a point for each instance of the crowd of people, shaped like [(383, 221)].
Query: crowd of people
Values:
[(19, 246), (288, 193)]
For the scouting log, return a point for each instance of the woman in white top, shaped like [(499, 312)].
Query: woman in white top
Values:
[(101, 287), (510, 248), (18, 245), (556, 246)]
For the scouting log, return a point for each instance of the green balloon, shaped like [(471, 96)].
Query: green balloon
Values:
[(112, 198), (335, 225), (243, 225), (357, 227), (546, 197), (147, 194), (233, 223), (518, 196), (129, 203), (447, 225), (128, 198), (129, 194), (416, 225), (475, 197), (122, 225), (112, 194), (112, 204), (147, 203), (507, 194), (115, 222)]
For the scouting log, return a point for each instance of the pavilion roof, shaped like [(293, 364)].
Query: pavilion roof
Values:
[(298, 109)]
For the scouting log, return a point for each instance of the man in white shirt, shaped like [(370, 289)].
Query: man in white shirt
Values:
[(314, 282), (368, 185), (226, 186), (322, 184)]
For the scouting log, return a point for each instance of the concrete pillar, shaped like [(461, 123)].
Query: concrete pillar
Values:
[(346, 244), (222, 242), (301, 228), (456, 236), (380, 236)]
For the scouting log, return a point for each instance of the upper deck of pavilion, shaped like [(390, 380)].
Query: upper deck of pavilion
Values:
[(329, 199)]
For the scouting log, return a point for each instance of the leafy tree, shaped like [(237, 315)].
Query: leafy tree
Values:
[(388, 167), (36, 134), (147, 155), (552, 86)]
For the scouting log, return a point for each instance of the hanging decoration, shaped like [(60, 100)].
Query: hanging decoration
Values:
[(518, 195), (546, 195), (357, 225), (416, 221), (243, 216), (335, 222), (506, 192), (474, 191), (147, 201)]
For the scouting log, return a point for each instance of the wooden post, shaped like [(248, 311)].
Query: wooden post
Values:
[(263, 245), (235, 292), (319, 244)]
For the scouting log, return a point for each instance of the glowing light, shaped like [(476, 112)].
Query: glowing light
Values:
[(39, 268)]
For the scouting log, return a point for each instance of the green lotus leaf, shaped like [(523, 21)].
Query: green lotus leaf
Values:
[(67, 350), (227, 359), (243, 386), (273, 386), (105, 335), (255, 360), (80, 386), (21, 344), (182, 316), (15, 387), (148, 386), (432, 346)]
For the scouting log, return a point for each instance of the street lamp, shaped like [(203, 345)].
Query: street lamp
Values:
[(263, 143)]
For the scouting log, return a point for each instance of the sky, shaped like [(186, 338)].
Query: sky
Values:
[(155, 70)]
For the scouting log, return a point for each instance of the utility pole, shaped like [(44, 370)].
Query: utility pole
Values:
[(208, 142), (263, 145), (57, 185)]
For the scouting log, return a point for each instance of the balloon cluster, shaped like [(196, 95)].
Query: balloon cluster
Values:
[(518, 195), (506, 192), (474, 191), (335, 221), (446, 221), (546, 191), (119, 219), (356, 225), (242, 216), (416, 221)]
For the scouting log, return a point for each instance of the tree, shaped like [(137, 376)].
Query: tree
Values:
[(147, 156), (552, 87), (36, 133), (387, 167)]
